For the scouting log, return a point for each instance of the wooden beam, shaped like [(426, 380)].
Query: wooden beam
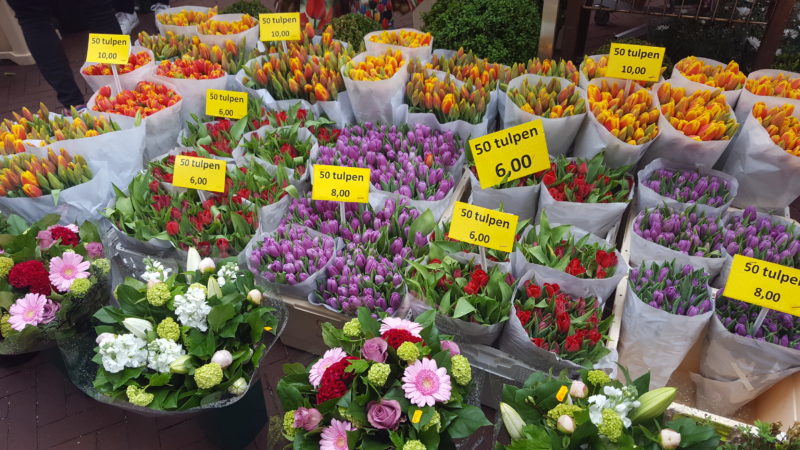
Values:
[(575, 27), (778, 19)]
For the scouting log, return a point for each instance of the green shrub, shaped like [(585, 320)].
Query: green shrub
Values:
[(504, 31), (352, 27), (252, 7)]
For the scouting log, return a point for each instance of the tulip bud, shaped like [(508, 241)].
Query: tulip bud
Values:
[(565, 424), (181, 365), (207, 265), (669, 438), (139, 327), (254, 296), (578, 389), (223, 358)]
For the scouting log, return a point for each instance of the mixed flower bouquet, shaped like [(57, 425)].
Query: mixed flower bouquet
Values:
[(182, 341), (597, 412), (54, 277), (384, 383)]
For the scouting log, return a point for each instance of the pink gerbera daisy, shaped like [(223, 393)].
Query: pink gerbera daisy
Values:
[(425, 384), (395, 323), (334, 437), (330, 358), (28, 310), (67, 268)]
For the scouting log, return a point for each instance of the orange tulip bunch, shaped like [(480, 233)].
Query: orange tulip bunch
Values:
[(147, 99), (702, 115), (548, 68), (466, 66), (376, 68), (727, 78), (778, 86), (26, 175), (220, 28), (307, 71), (782, 126), (447, 101), (403, 38), (135, 60), (630, 118), (547, 100), (186, 17), (597, 69), (166, 46), (188, 68)]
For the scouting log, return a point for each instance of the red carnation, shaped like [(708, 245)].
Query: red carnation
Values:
[(67, 236), (573, 343), (335, 380), (563, 322), (524, 317), (533, 290), (605, 259), (173, 228), (30, 274), (395, 337), (575, 268)]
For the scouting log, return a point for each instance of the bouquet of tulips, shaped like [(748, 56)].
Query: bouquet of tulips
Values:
[(376, 68), (768, 86), (681, 185), (547, 319), (145, 100), (594, 411), (596, 66), (50, 128), (519, 197), (228, 54), (442, 245), (135, 61), (166, 46), (289, 148), (188, 17), (26, 175), (192, 78), (220, 136), (427, 92), (667, 307), (546, 68), (405, 385), (188, 68), (412, 43), (712, 73), (140, 66), (374, 83), (54, 277), (468, 67), (781, 124), (213, 26)]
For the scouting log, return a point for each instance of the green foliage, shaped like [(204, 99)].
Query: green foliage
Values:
[(606, 49), (764, 438), (504, 31), (352, 27), (787, 61), (252, 7)]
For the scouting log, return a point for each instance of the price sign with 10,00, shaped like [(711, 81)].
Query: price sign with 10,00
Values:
[(483, 226), (199, 173), (764, 284), (230, 104), (279, 26), (340, 184), (635, 62), (108, 48), (510, 154)]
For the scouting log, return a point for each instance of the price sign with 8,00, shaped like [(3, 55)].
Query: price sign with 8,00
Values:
[(510, 154), (279, 26), (199, 173), (340, 184), (635, 62), (108, 48), (764, 284), (484, 227), (230, 104)]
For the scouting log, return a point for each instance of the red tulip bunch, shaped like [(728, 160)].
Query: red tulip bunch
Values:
[(188, 68), (587, 181), (135, 60), (146, 99)]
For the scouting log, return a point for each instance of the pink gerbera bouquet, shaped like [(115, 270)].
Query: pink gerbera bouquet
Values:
[(51, 281), (386, 383)]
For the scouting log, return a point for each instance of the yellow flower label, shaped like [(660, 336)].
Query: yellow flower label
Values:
[(562, 393), (417, 416)]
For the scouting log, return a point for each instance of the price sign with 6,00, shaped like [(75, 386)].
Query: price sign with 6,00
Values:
[(510, 154), (482, 226), (340, 184), (230, 104), (108, 48), (635, 62), (199, 173), (764, 284), (279, 26)]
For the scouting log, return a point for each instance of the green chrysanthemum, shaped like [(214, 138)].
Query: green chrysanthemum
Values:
[(352, 328), (288, 424), (414, 445), (169, 329), (408, 351), (560, 410), (138, 396), (159, 294), (208, 375), (462, 371), (102, 264), (378, 374), (5, 327), (612, 425), (80, 287), (598, 378), (6, 264)]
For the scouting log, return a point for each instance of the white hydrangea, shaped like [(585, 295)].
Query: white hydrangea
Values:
[(161, 353), (155, 271), (622, 401), (192, 308), (228, 272), (121, 351)]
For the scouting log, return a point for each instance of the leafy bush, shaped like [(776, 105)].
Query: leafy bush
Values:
[(787, 61), (252, 7), (606, 49), (352, 27), (504, 31)]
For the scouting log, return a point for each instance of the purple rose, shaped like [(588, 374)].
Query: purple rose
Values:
[(307, 418), (384, 414), (374, 350), (94, 250), (452, 347)]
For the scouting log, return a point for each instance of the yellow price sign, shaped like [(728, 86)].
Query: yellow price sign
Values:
[(230, 104), (340, 184), (635, 62), (483, 226), (108, 48), (764, 284), (199, 173), (510, 154), (279, 26)]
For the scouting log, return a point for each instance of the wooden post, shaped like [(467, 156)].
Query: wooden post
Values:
[(778, 18), (575, 28)]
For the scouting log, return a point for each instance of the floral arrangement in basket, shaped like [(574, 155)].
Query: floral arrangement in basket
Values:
[(182, 341), (385, 383), (595, 411), (53, 279)]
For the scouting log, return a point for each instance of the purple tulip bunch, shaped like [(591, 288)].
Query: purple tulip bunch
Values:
[(740, 317), (291, 255), (411, 162), (684, 231), (689, 186), (761, 238), (682, 291), (362, 276)]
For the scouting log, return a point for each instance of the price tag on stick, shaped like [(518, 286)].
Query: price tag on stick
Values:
[(510, 154), (764, 284), (635, 62), (341, 184), (484, 227), (108, 48), (230, 104), (279, 26), (199, 173)]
